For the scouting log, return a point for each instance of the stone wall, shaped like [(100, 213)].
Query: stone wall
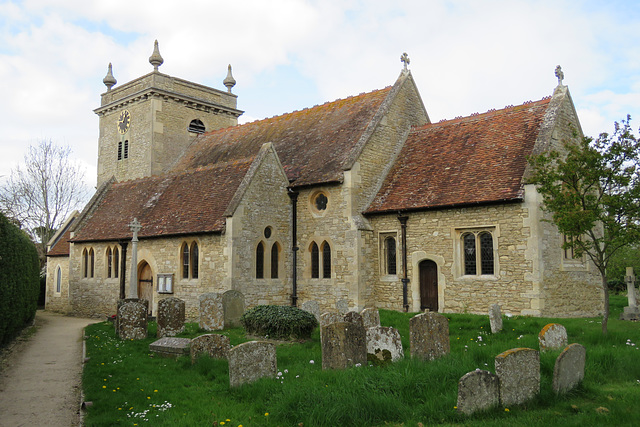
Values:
[(57, 301), (98, 296)]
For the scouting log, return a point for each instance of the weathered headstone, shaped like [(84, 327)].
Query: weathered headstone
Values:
[(122, 301), (429, 336), (215, 346), (477, 391), (569, 368), (495, 318), (233, 308), (353, 317), (250, 361), (384, 343), (132, 320), (553, 337), (632, 311), (343, 345), (342, 306), (370, 317), (519, 373), (330, 317), (211, 312), (312, 307), (170, 347), (170, 317)]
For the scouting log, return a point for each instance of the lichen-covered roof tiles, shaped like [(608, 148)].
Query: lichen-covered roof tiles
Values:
[(472, 160), (179, 203), (315, 145)]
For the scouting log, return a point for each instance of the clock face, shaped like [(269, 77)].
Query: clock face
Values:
[(124, 121)]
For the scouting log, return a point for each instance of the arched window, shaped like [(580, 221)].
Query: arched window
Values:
[(326, 260), (109, 262), (58, 279), (260, 261), (196, 126), (91, 262), (469, 242), (85, 263), (194, 260), (315, 261), (185, 261), (486, 253), (390, 248), (275, 252), (116, 262)]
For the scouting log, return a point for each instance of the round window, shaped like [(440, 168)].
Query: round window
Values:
[(267, 232), (321, 202)]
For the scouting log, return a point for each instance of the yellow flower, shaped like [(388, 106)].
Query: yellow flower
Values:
[(104, 386), (119, 409), (148, 397), (221, 423), (228, 420), (455, 407), (266, 414), (114, 390), (506, 409), (155, 391)]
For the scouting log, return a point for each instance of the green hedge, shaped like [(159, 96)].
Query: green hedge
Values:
[(276, 321), (19, 280)]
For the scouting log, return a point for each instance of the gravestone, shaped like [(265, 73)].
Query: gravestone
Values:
[(478, 391), (343, 345), (429, 336), (630, 312), (569, 368), (495, 318), (370, 317), (122, 301), (552, 337), (233, 308), (170, 347), (384, 343), (312, 307), (342, 306), (211, 312), (519, 373), (353, 317), (215, 346), (329, 317), (170, 317), (132, 320), (250, 361)]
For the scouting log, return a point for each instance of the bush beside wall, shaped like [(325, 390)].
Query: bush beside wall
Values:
[(19, 280)]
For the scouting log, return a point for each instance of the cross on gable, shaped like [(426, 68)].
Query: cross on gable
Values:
[(405, 59), (135, 226)]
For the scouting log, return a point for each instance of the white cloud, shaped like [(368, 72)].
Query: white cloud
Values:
[(466, 56)]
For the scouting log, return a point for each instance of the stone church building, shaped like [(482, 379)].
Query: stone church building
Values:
[(360, 201)]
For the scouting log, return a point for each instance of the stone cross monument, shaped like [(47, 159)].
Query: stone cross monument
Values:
[(632, 312), (133, 281)]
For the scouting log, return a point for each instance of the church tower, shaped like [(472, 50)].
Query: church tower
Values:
[(147, 123)]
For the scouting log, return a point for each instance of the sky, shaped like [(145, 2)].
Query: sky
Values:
[(466, 56)]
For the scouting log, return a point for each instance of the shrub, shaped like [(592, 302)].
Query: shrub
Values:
[(277, 321), (616, 286), (19, 280)]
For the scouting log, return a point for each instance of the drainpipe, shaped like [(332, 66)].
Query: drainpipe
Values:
[(293, 195), (405, 280), (123, 267)]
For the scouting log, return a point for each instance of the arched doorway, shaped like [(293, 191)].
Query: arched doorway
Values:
[(145, 283), (428, 285)]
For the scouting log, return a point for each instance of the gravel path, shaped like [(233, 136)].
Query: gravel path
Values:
[(40, 374)]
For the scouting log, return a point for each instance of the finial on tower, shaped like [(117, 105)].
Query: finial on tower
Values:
[(109, 81), (559, 75), (405, 59), (229, 81), (156, 59)]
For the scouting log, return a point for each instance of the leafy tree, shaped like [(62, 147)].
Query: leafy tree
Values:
[(592, 190), (628, 256), (41, 193)]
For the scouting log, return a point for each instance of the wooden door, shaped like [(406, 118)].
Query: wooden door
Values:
[(428, 285), (145, 284)]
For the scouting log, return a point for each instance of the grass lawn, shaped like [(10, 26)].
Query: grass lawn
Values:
[(130, 387)]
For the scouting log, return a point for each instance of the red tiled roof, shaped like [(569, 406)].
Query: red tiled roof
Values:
[(471, 160), (61, 247), (179, 203), (314, 145)]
